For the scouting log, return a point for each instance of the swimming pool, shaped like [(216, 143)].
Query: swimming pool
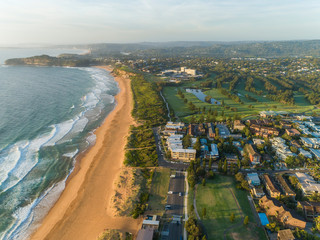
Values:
[(263, 218)]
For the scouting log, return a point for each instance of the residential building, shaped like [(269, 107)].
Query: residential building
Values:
[(270, 187), (184, 154), (151, 222), (285, 124), (316, 153), (285, 234), (311, 142), (257, 192), (238, 125), (145, 234), (287, 217), (201, 131), (310, 210), (253, 155), (253, 179), (223, 130), (284, 185), (308, 184), (263, 131), (211, 131), (214, 153), (292, 132), (305, 153)]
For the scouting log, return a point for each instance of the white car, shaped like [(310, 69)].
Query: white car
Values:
[(170, 192)]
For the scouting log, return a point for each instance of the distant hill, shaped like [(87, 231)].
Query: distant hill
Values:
[(267, 49), (70, 60)]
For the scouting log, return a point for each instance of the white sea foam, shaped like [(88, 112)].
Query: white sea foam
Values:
[(71, 154), (62, 129), (27, 161), (24, 158)]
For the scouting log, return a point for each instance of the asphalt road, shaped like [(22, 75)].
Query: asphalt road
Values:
[(176, 194)]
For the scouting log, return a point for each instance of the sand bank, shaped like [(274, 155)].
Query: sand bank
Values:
[(83, 211)]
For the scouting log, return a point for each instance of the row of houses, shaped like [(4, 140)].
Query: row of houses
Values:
[(288, 218)]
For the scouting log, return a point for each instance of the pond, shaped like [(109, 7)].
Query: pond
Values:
[(201, 96)]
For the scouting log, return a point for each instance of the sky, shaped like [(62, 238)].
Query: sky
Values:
[(126, 21)]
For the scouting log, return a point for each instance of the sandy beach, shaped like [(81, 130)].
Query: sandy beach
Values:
[(83, 210)]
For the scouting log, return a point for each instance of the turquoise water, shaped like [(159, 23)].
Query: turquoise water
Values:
[(47, 116), (263, 218)]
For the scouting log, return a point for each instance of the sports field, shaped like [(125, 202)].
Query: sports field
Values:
[(217, 198)]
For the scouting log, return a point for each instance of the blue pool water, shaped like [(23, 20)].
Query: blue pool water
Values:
[(263, 218)]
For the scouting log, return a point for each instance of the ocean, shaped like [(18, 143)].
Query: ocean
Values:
[(47, 116)]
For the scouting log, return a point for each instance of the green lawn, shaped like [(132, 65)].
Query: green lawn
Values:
[(182, 111), (220, 204), (159, 190)]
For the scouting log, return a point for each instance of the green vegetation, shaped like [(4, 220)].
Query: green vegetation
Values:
[(112, 234), (45, 60), (141, 148), (141, 205), (216, 196), (158, 191), (148, 111)]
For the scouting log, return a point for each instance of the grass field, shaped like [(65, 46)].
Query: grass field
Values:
[(217, 198), (158, 191), (182, 111)]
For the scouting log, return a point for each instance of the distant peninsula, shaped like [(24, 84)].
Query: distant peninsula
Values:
[(63, 60)]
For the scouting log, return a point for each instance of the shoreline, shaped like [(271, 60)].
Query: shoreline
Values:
[(83, 209)]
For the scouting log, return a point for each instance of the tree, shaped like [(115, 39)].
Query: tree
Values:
[(232, 217), (246, 221), (204, 212), (225, 167), (204, 182), (186, 141), (193, 228), (197, 145)]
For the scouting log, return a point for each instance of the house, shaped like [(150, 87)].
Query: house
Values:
[(270, 187), (253, 179), (214, 151), (285, 234), (292, 132), (145, 234), (211, 131), (316, 153), (223, 130), (151, 222), (253, 155), (310, 210), (284, 185), (308, 184), (201, 131), (257, 192), (305, 153), (192, 129), (238, 125), (231, 158), (285, 124), (288, 218)]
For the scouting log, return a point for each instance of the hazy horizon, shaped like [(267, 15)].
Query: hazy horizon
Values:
[(58, 22)]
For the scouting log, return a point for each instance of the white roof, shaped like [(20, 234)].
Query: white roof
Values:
[(184, 150)]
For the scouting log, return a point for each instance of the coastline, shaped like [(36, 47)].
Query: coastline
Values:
[(83, 210)]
